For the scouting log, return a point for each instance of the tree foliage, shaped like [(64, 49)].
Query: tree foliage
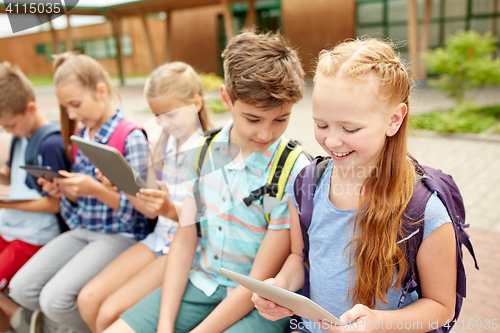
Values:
[(465, 63)]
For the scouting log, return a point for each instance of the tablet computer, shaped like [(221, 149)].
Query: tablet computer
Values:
[(45, 172), (112, 165), (300, 305)]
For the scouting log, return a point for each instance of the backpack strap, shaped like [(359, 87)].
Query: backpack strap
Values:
[(73, 146), (287, 154), (36, 140), (12, 146), (412, 237), (414, 223), (304, 188), (118, 138), (199, 161), (32, 155)]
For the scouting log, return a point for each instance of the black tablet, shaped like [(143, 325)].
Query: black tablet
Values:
[(45, 172)]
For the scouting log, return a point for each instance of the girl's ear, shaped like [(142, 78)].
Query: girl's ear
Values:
[(101, 91), (397, 117), (198, 102), (225, 99)]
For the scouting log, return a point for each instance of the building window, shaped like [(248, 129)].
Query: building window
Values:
[(95, 48), (388, 18)]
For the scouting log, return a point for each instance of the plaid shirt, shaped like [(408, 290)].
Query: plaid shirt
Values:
[(94, 215)]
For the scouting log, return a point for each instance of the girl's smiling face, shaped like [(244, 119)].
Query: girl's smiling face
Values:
[(350, 122)]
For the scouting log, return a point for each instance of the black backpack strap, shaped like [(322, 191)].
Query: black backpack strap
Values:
[(33, 150), (12, 146), (271, 188), (281, 162), (200, 207)]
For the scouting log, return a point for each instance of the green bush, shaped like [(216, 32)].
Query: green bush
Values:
[(475, 120), (466, 62), (216, 106), (211, 81)]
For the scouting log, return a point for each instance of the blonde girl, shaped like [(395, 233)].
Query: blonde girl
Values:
[(174, 93), (103, 222), (360, 112)]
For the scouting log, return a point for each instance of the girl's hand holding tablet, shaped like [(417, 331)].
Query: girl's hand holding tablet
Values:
[(104, 180), (157, 201), (269, 309), (76, 184), (363, 320)]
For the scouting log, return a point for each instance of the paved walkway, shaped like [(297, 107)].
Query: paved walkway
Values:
[(474, 164)]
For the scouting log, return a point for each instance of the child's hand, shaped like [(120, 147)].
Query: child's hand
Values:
[(360, 319), (49, 187), (105, 181), (269, 309), (156, 201), (76, 184)]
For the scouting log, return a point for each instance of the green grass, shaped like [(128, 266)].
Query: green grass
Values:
[(216, 106), (40, 80), (116, 77), (474, 120)]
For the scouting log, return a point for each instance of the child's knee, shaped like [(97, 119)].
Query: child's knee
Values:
[(55, 304), (20, 292), (87, 302), (108, 314)]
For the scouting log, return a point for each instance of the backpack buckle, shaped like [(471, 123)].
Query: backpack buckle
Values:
[(292, 144), (270, 189), (402, 300), (410, 286), (199, 213)]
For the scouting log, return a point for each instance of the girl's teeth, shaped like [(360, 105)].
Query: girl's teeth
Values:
[(341, 154)]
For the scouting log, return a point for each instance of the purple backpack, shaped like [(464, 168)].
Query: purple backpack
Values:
[(431, 180)]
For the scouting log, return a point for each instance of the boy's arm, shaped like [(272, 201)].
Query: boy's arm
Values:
[(290, 276), (177, 268), (5, 175), (43, 205), (272, 253), (293, 264)]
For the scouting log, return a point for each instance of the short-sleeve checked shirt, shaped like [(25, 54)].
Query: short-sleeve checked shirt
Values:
[(94, 215), (231, 231)]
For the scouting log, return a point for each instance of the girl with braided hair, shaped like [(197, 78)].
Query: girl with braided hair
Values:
[(360, 112)]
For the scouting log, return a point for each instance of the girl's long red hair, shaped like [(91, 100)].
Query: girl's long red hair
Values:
[(375, 255)]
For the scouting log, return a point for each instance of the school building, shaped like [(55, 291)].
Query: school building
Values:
[(138, 36)]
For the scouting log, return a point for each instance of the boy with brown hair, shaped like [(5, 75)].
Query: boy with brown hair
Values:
[(263, 79), (24, 225)]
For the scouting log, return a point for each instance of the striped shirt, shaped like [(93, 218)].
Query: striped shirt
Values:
[(231, 231), (94, 215), (175, 163)]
